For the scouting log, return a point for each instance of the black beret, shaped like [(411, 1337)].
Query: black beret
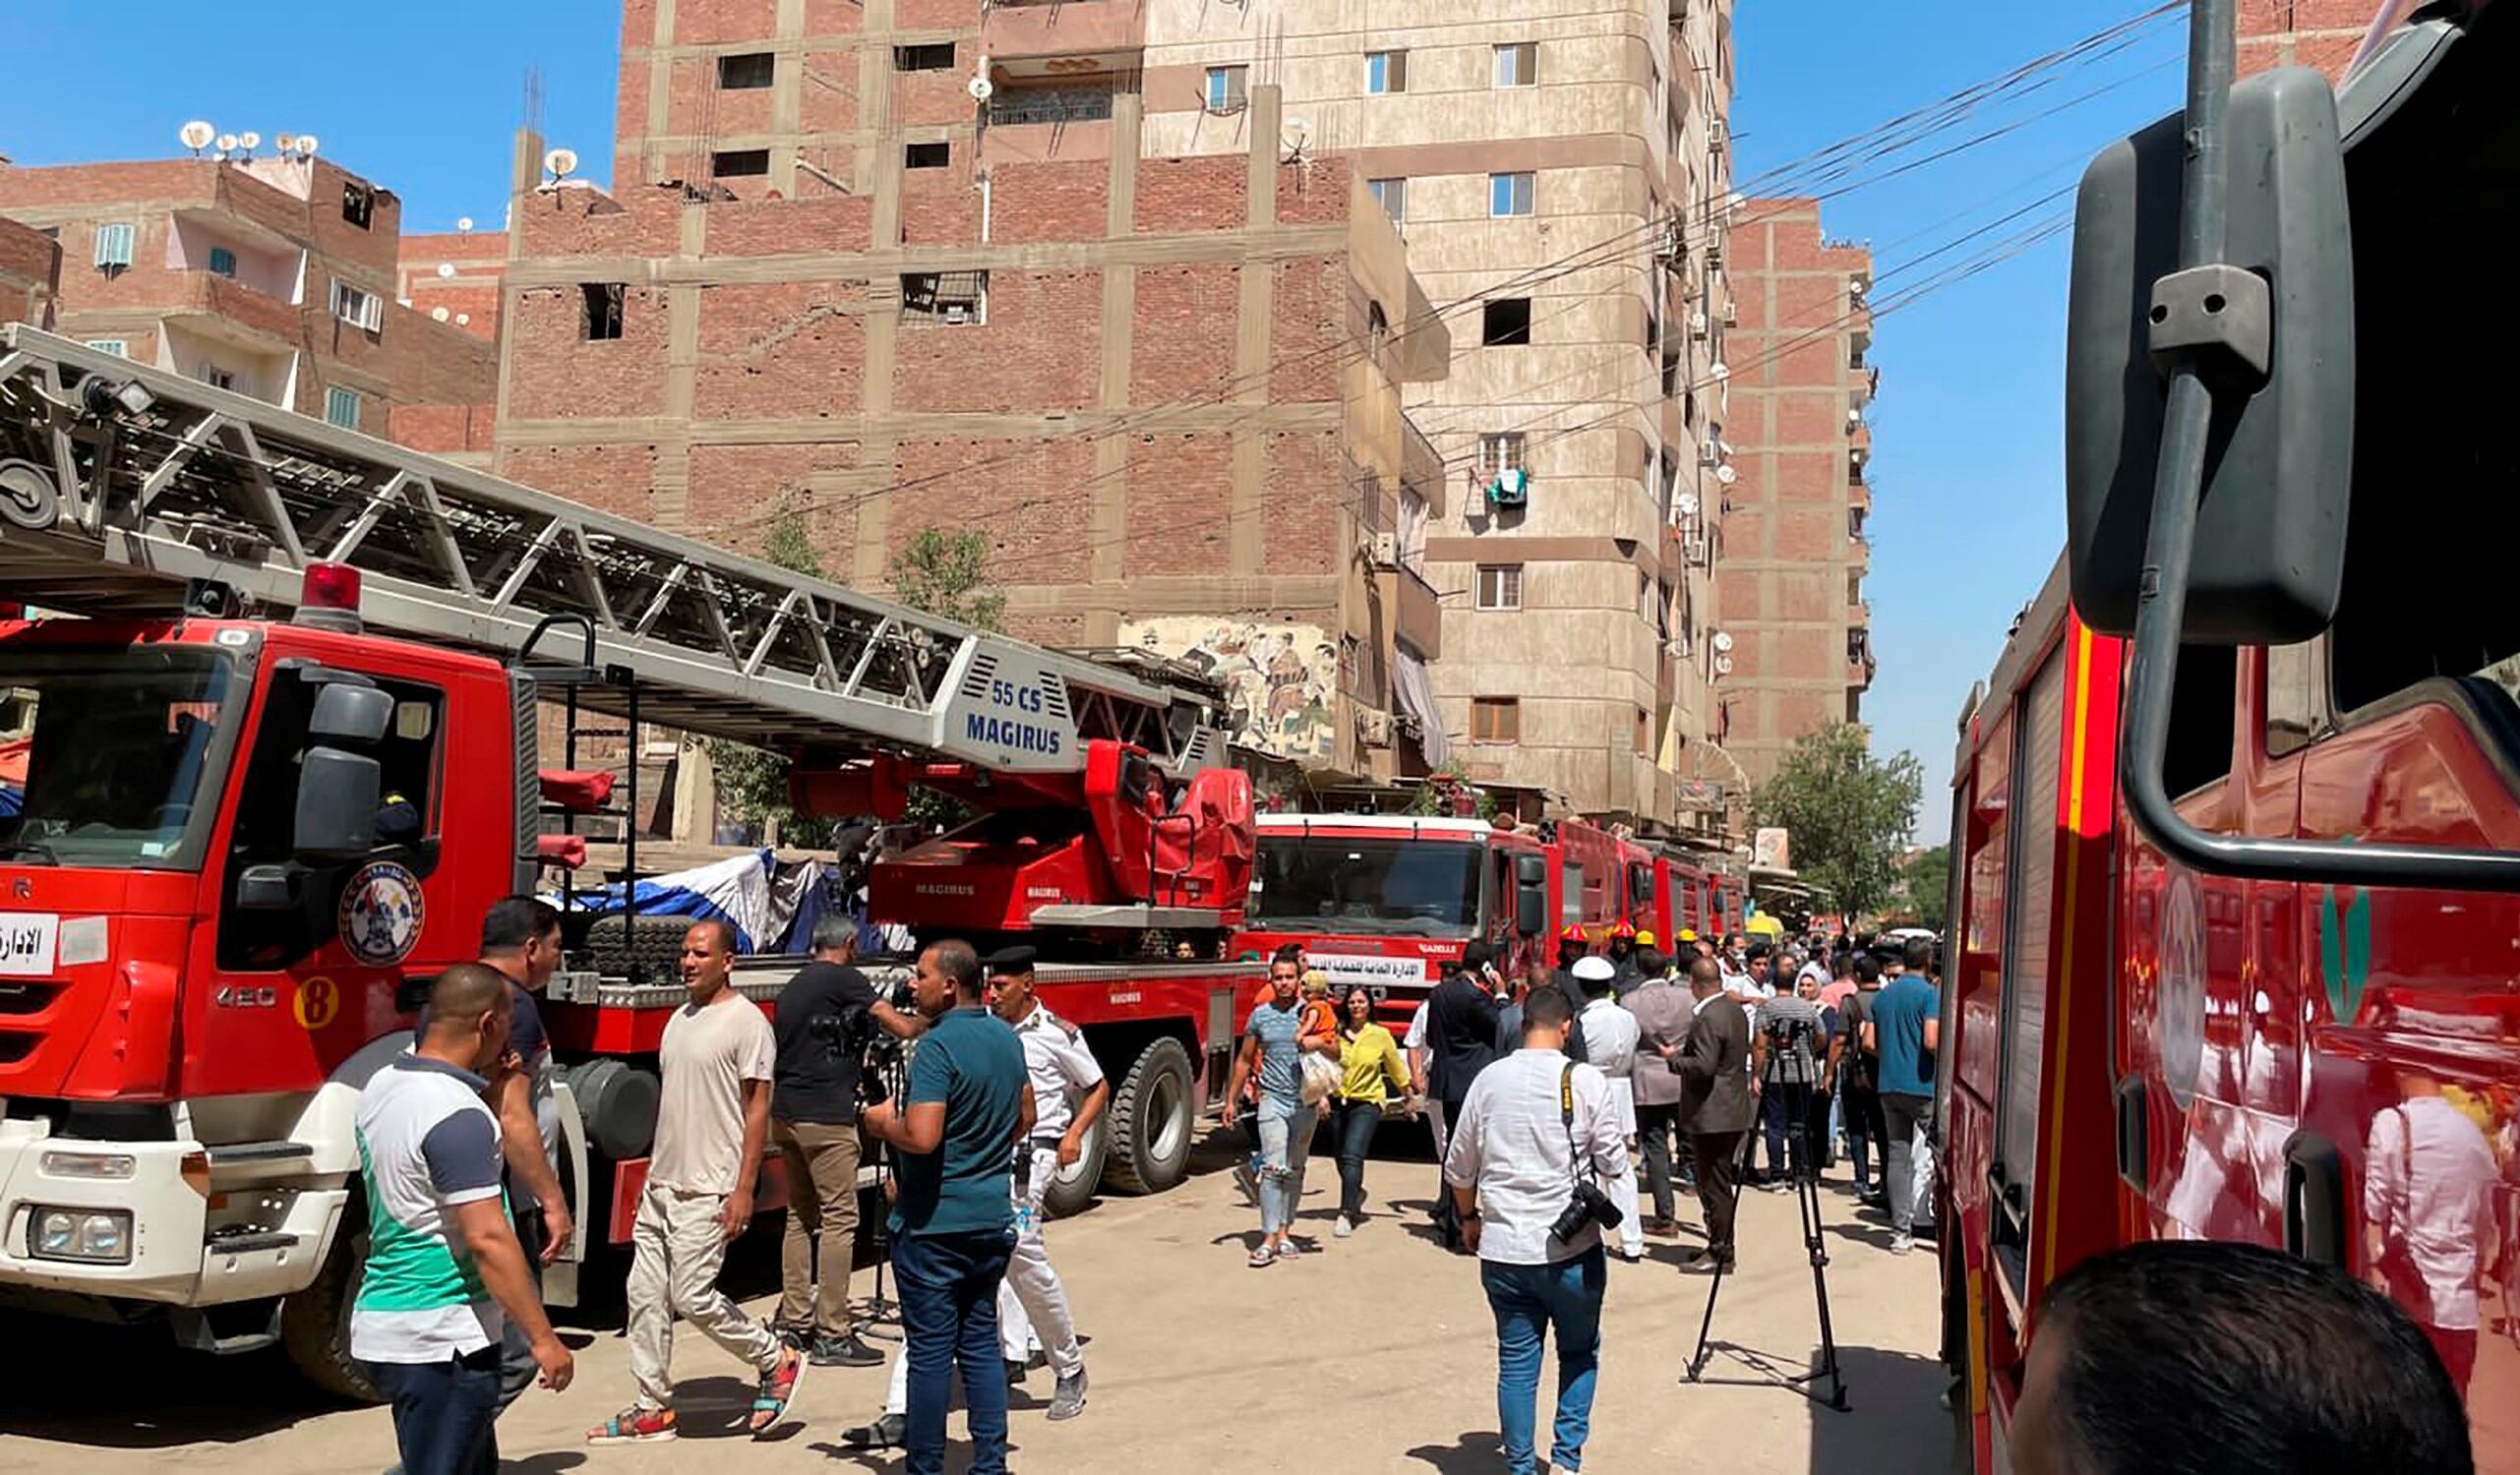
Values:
[(1013, 960)]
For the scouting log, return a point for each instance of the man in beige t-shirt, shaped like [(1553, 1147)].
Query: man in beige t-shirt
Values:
[(712, 1119)]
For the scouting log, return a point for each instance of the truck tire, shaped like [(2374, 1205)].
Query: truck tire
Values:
[(652, 942), (315, 1324), (1074, 1186), (1151, 1124)]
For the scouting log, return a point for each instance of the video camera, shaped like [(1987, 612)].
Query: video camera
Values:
[(853, 1033), (1586, 1204)]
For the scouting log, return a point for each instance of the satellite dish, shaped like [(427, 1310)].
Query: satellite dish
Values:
[(1724, 665), (445, 270), (1723, 641), (438, 313), (287, 143), (306, 146), (462, 319), (196, 135), (464, 222), (1296, 132), (1722, 372), (561, 163), (1727, 475), (981, 88), (248, 141), (226, 143), (1688, 504)]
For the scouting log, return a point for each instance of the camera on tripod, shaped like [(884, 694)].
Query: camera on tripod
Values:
[(852, 1034), (1589, 1204)]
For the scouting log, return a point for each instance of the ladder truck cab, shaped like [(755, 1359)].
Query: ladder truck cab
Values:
[(2236, 818), (235, 850)]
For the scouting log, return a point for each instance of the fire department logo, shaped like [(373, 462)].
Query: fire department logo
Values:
[(2181, 1006), (381, 914)]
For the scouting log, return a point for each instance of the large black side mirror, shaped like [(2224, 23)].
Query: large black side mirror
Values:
[(350, 713), (1531, 894), (2269, 555), (337, 804)]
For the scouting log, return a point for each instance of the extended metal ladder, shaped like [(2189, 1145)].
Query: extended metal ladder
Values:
[(121, 482)]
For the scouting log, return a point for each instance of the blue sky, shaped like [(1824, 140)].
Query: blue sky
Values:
[(1966, 470)]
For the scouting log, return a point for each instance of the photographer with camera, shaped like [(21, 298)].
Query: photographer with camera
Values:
[(829, 1020), (1536, 1139)]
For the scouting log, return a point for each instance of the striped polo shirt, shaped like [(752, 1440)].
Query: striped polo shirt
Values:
[(427, 1143)]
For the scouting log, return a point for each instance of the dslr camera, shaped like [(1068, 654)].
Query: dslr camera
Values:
[(852, 1034), (1589, 1204)]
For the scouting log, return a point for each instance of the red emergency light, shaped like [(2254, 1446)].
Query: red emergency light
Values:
[(330, 598)]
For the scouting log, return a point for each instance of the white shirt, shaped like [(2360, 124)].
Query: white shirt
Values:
[(710, 1051), (1417, 1038), (1610, 1038), (1510, 1146), (1061, 1068), (2427, 1184)]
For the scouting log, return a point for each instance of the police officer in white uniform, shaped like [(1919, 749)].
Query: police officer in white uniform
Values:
[(1068, 1096)]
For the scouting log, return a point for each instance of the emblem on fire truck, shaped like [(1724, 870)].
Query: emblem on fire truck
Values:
[(381, 913), (2182, 1006)]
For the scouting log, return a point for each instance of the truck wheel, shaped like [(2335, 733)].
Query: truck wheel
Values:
[(1150, 1121), (315, 1324), (1074, 1185)]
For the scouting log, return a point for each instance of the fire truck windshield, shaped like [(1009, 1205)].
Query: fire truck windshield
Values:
[(1420, 888), (104, 751)]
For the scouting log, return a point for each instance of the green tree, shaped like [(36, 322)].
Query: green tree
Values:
[(752, 782), (1847, 813), (1927, 880)]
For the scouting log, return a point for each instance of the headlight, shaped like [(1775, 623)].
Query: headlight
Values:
[(89, 1165), (100, 1236)]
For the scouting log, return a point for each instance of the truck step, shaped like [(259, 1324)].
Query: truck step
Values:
[(236, 1154), (247, 1243)]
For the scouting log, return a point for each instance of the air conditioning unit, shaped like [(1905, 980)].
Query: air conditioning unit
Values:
[(1714, 255), (1697, 324), (1716, 135), (1708, 454), (1373, 728), (1384, 551), (1693, 550), (1731, 313)]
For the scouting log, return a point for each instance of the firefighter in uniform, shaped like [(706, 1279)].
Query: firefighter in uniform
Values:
[(1069, 1094)]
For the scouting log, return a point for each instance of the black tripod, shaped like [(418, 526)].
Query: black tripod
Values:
[(1803, 1159), (881, 1309)]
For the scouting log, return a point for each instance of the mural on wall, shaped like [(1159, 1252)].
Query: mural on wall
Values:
[(1280, 679)]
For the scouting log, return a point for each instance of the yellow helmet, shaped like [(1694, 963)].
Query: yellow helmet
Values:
[(1645, 939), (1688, 934)]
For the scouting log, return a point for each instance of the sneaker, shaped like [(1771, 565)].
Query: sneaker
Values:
[(1632, 1254), (1345, 1227), (1015, 1370), (844, 1352), (1068, 1400), (634, 1425), (887, 1433), (1901, 1244)]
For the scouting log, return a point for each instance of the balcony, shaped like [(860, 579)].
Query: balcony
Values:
[(1410, 604), (212, 302), (1070, 121), (1020, 37)]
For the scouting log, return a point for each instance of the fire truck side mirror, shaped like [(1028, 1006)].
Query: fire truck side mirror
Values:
[(349, 712), (2274, 322), (337, 805), (1531, 894)]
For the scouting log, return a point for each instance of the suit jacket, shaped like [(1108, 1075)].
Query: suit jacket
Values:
[(1714, 1069), (1461, 1036)]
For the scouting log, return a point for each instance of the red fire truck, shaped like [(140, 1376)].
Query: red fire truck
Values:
[(240, 847), (2236, 819)]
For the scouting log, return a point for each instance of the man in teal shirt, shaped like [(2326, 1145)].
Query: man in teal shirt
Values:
[(1904, 1028), (968, 1104)]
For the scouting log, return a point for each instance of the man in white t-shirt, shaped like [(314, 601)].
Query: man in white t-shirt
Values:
[(442, 1260), (2428, 1177), (712, 1119)]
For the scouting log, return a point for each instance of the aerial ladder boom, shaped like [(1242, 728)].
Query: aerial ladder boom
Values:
[(121, 483)]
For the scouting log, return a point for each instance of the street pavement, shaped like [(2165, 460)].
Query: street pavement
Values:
[(1376, 1354)]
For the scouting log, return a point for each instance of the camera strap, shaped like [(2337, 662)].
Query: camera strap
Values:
[(1577, 1162)]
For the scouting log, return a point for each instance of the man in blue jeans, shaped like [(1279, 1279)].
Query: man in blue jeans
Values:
[(1532, 1124), (967, 1106), (1903, 1029)]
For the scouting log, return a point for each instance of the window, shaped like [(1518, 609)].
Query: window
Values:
[(739, 163), (1645, 734), (931, 156), (1645, 598), (935, 56), (1392, 195), (1229, 89), (2295, 698), (1499, 451), (1517, 64), (223, 260), (116, 742), (748, 71), (115, 346), (1506, 322), (113, 246), (341, 407), (949, 298), (1500, 586), (217, 378), (603, 308), (1386, 72), (1570, 893), (358, 204), (1397, 885), (1499, 719), (2031, 828), (1509, 194), (2202, 708), (360, 309)]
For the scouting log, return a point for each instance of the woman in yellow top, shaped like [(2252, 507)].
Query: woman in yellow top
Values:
[(1370, 1073)]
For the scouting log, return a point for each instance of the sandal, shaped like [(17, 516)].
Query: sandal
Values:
[(1261, 1258), (777, 1391), (634, 1425)]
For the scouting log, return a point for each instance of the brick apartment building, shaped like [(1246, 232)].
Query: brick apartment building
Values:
[(2322, 34), (828, 279), (30, 274), (1796, 628), (1533, 157), (274, 277), (457, 271)]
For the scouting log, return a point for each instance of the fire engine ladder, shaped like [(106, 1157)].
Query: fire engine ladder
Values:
[(120, 483)]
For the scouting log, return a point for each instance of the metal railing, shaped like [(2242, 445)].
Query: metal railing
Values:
[(1051, 105)]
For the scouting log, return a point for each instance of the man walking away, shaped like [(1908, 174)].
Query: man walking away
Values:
[(1904, 1028), (443, 1261), (1718, 1100), (1663, 1010), (713, 1122), (965, 1111), (1461, 1033), (1788, 1033), (1069, 1094), (1610, 1041), (813, 1124), (1533, 1125)]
